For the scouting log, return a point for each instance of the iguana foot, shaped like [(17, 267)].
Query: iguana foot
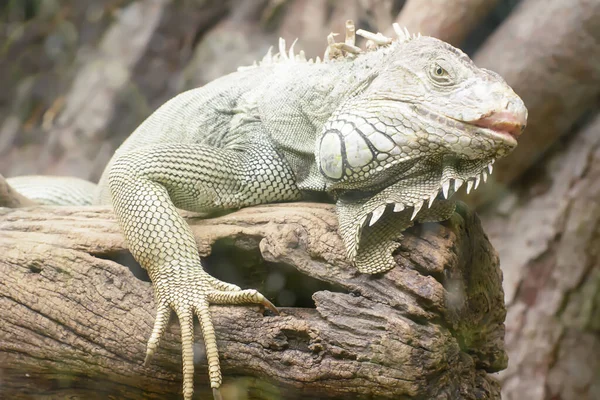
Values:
[(189, 293)]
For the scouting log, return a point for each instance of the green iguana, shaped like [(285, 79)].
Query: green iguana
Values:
[(390, 131)]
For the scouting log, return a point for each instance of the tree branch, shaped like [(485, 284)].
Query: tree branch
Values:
[(76, 322)]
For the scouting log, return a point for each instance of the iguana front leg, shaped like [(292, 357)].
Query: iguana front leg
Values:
[(146, 187)]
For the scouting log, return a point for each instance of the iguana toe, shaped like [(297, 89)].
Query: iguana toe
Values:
[(248, 296), (163, 314)]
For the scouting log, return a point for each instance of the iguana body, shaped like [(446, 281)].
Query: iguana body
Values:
[(396, 129)]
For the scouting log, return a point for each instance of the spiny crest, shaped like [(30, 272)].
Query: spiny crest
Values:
[(450, 183), (335, 50)]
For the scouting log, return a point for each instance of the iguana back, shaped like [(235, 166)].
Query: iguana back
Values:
[(200, 115)]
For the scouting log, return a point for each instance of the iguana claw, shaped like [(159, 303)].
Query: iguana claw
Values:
[(217, 394)]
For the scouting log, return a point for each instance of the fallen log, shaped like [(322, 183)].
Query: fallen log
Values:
[(76, 319)]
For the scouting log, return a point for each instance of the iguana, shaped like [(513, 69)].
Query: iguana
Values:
[(390, 131)]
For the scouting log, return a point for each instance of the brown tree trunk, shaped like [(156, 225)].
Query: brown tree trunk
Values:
[(450, 21), (548, 237), (75, 321)]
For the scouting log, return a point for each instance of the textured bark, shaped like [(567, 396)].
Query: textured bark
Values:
[(549, 243), (450, 21), (75, 322), (548, 51)]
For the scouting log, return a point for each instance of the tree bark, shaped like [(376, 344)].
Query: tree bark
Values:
[(76, 321), (548, 237)]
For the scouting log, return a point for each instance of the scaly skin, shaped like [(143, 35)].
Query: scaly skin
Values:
[(389, 133)]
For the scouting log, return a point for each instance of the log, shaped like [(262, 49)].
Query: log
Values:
[(552, 274), (76, 319)]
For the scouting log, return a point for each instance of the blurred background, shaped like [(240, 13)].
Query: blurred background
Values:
[(78, 76)]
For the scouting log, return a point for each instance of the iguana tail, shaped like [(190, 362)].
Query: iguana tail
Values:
[(54, 190)]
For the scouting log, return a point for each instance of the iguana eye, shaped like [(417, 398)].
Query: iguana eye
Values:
[(439, 75)]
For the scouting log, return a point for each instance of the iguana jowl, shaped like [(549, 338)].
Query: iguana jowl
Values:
[(390, 133)]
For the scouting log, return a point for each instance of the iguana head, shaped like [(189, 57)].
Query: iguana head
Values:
[(422, 121)]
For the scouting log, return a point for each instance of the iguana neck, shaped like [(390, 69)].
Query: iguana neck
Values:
[(297, 101)]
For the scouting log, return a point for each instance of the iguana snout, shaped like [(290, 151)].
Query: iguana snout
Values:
[(488, 102)]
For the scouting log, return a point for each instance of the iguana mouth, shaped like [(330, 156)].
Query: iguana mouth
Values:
[(505, 123)]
